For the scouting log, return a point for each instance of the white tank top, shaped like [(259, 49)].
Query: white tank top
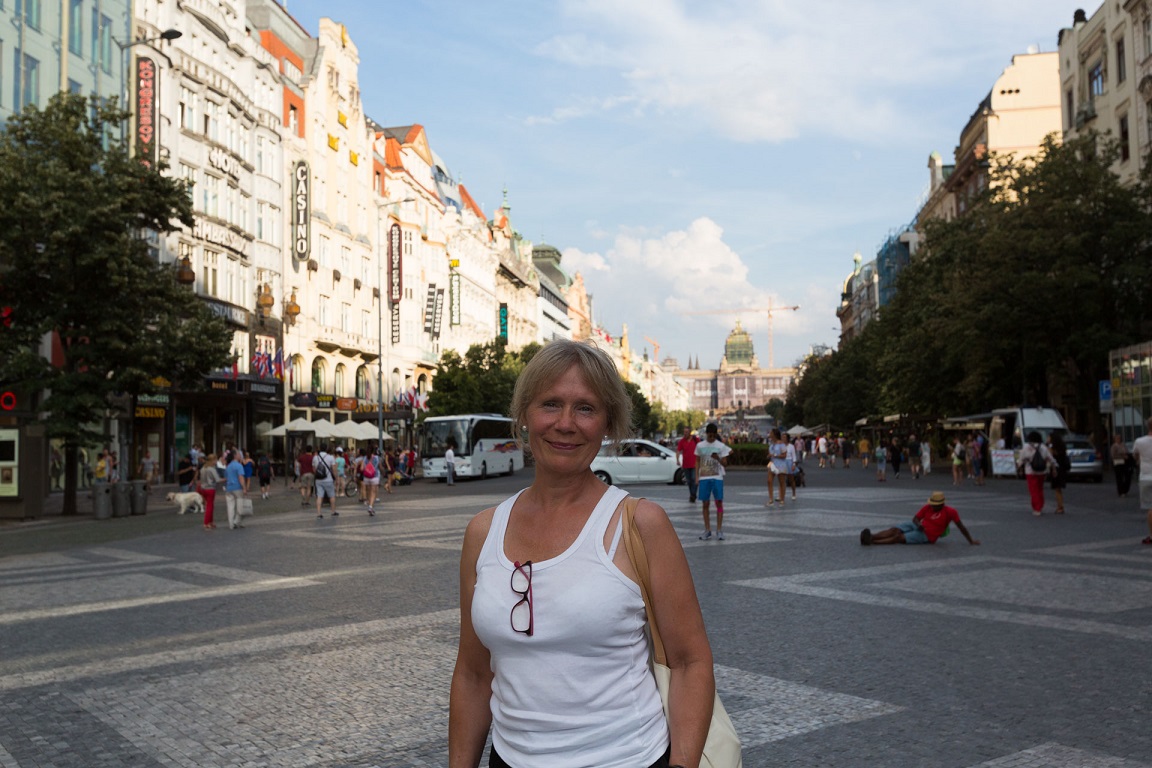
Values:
[(578, 693)]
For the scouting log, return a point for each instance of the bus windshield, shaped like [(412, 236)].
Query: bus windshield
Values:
[(436, 434)]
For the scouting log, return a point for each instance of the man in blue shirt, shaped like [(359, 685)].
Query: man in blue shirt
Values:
[(234, 488)]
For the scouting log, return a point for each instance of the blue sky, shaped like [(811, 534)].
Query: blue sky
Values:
[(694, 156)]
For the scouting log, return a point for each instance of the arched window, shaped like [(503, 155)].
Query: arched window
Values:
[(319, 374), (394, 388), (338, 381), (298, 382), (363, 388), (422, 384)]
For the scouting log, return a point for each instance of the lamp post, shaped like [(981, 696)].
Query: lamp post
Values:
[(380, 325)]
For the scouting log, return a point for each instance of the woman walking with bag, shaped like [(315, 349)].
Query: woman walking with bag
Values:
[(552, 656), (206, 481)]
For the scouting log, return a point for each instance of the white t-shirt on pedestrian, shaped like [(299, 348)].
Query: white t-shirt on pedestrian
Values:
[(450, 458), (1142, 449)]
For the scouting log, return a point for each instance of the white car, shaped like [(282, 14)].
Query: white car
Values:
[(636, 461)]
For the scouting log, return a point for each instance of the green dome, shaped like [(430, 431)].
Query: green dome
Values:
[(738, 348)]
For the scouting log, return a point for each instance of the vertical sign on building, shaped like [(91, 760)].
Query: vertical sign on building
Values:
[(146, 111), (454, 298), (430, 308), (438, 313), (504, 322), (302, 215), (395, 322), (395, 265)]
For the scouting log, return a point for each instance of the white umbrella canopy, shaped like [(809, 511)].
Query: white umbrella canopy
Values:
[(798, 430), (347, 430), (322, 428)]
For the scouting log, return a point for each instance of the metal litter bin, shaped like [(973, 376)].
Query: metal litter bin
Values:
[(121, 499), (139, 497), (102, 500)]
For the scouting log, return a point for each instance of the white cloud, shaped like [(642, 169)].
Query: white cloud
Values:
[(771, 70), (653, 283)]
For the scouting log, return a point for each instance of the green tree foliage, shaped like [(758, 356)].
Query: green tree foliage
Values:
[(480, 382), (645, 420), (672, 423), (76, 267), (1029, 288)]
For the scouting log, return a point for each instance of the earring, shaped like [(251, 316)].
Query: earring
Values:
[(524, 428)]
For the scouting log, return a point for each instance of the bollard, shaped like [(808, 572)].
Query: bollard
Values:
[(139, 497), (102, 500), (121, 501)]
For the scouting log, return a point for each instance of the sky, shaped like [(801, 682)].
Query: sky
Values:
[(694, 157)]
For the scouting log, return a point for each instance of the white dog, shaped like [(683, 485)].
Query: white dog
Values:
[(188, 501)]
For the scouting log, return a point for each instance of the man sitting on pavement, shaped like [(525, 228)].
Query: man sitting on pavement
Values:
[(929, 524)]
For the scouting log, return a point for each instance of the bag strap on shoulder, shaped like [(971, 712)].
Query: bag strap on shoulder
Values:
[(634, 546)]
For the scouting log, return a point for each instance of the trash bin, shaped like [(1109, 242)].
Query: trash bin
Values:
[(121, 499), (102, 500), (139, 497)]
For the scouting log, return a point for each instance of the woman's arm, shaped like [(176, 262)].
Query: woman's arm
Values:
[(677, 611), (469, 713)]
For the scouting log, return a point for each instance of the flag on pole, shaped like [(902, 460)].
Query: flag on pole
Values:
[(278, 364)]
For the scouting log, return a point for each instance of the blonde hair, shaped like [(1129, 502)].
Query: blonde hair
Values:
[(598, 372)]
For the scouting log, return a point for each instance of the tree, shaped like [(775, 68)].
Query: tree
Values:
[(480, 382), (644, 420), (76, 269)]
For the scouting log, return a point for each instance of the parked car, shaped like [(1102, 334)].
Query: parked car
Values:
[(636, 461), (1086, 461)]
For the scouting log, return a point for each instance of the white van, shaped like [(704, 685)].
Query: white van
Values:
[(1014, 425)]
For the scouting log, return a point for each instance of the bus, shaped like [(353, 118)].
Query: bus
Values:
[(484, 445)]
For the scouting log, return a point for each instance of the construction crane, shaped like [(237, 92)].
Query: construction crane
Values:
[(769, 310), (655, 346)]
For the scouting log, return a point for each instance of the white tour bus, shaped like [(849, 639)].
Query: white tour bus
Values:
[(484, 445)]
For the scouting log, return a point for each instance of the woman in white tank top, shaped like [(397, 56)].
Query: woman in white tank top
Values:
[(553, 657)]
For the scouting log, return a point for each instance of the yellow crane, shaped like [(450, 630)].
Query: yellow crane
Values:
[(769, 310), (656, 347)]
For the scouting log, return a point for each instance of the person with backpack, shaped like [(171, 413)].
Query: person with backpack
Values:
[(1062, 465), (1037, 460), (324, 473), (265, 473), (371, 474)]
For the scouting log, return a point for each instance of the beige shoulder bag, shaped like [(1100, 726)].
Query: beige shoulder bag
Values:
[(722, 748)]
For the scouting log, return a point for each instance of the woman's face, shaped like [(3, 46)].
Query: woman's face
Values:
[(566, 424)]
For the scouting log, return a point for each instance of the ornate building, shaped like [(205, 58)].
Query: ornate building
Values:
[(739, 383)]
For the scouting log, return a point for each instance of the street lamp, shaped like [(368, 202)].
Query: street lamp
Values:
[(264, 302), (380, 327), (185, 275)]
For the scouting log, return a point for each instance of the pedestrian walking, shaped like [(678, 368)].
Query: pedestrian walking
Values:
[(779, 469), (959, 457), (147, 469), (1037, 462), (207, 477), (864, 446), (307, 478), (1061, 466), (896, 456), (450, 460), (1122, 465), (686, 458), (915, 460), (711, 457), (371, 474), (186, 473), (926, 457), (324, 473), (1142, 453), (234, 488), (341, 471), (265, 473), (881, 456)]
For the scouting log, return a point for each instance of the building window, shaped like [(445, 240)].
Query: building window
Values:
[(210, 195), (261, 212), (102, 49), (407, 242), (1146, 33), (322, 311), (1125, 152), (31, 13), (1121, 63), (1096, 80), (1070, 103), (188, 99), (338, 381), (293, 120), (346, 317), (210, 273), (27, 80), (76, 27), (323, 255), (318, 375), (74, 87)]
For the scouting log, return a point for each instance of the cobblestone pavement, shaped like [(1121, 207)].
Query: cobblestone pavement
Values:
[(302, 642)]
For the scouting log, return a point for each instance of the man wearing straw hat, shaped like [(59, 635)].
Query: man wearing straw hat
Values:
[(929, 524)]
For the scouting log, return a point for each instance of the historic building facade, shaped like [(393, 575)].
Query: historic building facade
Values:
[(739, 384)]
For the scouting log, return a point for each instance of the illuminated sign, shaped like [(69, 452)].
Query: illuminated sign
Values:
[(395, 263), (504, 322), (454, 298), (7, 401), (430, 308), (302, 226), (146, 110), (438, 313), (395, 323)]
